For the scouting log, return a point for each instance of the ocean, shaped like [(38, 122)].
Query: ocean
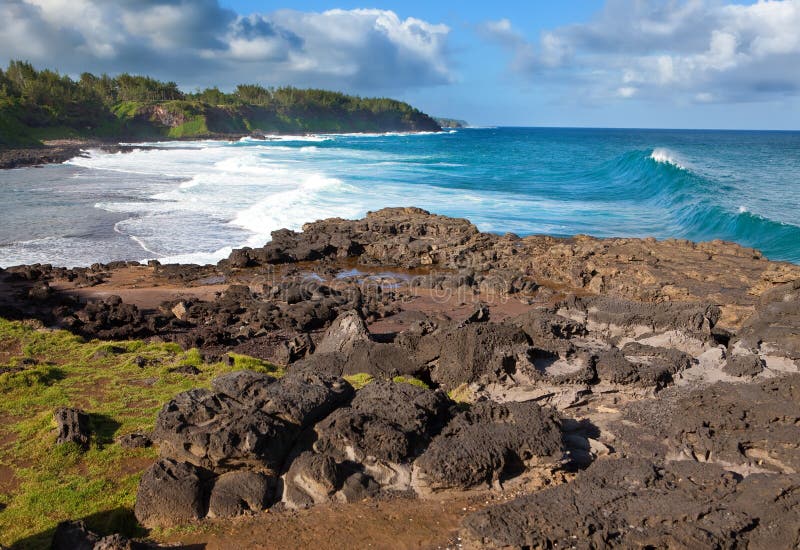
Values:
[(192, 202)]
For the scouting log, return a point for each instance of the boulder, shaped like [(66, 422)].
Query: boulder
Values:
[(311, 479), (242, 385), (171, 493), (614, 316), (772, 331), (304, 398), (134, 441), (381, 360), (235, 493), (471, 353), (743, 364), (347, 330), (488, 443), (386, 421), (218, 433)]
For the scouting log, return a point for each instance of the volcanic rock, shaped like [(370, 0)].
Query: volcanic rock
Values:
[(632, 503), (171, 493), (488, 443), (235, 493), (744, 427), (72, 426)]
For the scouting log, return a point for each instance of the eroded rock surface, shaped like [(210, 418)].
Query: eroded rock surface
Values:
[(489, 442), (634, 503), (668, 368)]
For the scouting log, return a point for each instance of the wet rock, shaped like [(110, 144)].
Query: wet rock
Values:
[(488, 443), (171, 493), (235, 493), (134, 441), (72, 426), (632, 503)]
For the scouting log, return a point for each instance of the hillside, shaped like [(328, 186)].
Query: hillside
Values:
[(36, 105)]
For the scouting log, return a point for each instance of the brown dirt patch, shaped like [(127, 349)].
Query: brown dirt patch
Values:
[(398, 523)]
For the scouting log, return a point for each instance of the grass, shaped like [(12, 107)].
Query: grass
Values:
[(122, 385), (52, 483)]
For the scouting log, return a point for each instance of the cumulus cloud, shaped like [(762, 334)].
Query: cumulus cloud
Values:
[(695, 50), (198, 42)]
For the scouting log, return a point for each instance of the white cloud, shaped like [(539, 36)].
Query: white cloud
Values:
[(197, 42), (694, 50)]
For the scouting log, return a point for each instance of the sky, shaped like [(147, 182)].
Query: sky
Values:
[(589, 63)]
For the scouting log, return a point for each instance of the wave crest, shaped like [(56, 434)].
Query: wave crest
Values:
[(665, 156)]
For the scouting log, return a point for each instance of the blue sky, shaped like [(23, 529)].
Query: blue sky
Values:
[(602, 63)]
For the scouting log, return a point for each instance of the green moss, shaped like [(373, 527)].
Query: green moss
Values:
[(410, 380), (462, 394), (53, 483), (245, 362), (359, 380)]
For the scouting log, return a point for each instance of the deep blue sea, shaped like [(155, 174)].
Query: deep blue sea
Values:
[(193, 202)]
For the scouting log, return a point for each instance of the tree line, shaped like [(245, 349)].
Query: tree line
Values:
[(64, 97)]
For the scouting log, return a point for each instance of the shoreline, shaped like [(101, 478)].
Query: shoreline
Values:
[(407, 368), (57, 151)]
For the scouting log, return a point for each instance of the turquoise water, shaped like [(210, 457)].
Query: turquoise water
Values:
[(193, 202)]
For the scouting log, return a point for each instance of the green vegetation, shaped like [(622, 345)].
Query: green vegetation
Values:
[(410, 380), (41, 483), (122, 385), (359, 380), (42, 104)]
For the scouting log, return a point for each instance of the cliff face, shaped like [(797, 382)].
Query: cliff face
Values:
[(182, 119)]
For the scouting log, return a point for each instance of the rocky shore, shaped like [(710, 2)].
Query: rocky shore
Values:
[(55, 152), (546, 392)]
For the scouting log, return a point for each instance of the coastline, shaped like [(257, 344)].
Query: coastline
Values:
[(56, 151), (413, 347)]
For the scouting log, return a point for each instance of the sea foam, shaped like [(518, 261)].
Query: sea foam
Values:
[(665, 156)]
